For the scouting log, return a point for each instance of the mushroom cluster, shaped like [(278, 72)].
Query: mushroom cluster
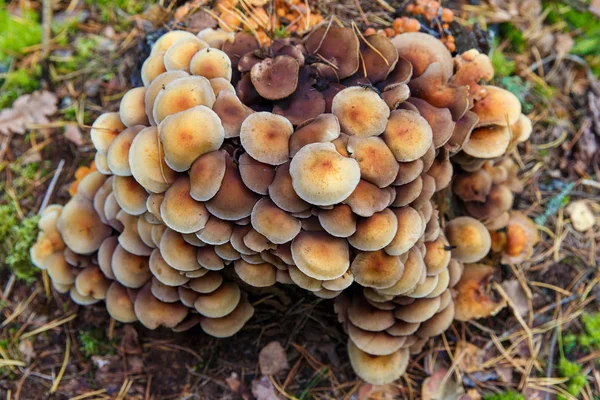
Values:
[(313, 162)]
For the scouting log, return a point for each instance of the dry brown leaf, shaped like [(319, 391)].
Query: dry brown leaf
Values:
[(515, 292), (581, 216), (27, 110), (263, 389), (272, 359), (437, 387), (379, 392), (73, 134), (471, 357)]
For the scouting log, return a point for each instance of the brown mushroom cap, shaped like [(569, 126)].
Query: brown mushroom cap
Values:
[(324, 128), (81, 227), (378, 370), (265, 136), (472, 186), (207, 283), (437, 256), (59, 270), (180, 211), (498, 107), (275, 224), (377, 269), (375, 159), (304, 281), (152, 67), (275, 78), (375, 232), (157, 85), (91, 282), (414, 267), (408, 135), (374, 343), (321, 176), (339, 221), (117, 157), (164, 272), (469, 238), (418, 311), (90, 184), (320, 255), (105, 129), (215, 231), (132, 108), (168, 39), (119, 304), (421, 50), (179, 55), (153, 313), (146, 160), (256, 176), (401, 328), (206, 175), (211, 63), (219, 303), (162, 292), (439, 323), (221, 85), (339, 46), (101, 163), (499, 199), (410, 228), (367, 199), (340, 283), (177, 252), (216, 37), (231, 111), (130, 270), (488, 142), (130, 195), (368, 318), (282, 192), (361, 111), (257, 275), (182, 94), (230, 324)]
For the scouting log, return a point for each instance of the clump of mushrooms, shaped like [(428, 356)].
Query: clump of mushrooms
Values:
[(314, 162)]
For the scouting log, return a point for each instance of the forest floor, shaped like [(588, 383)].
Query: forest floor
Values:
[(544, 345)]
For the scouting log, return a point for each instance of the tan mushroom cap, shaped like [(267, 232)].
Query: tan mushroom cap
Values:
[(418, 311), (488, 142), (378, 370), (153, 313), (326, 293), (367, 199), (211, 63), (414, 267), (321, 176), (227, 252), (375, 159), (410, 228), (421, 50), (437, 256), (130, 195), (117, 157), (59, 270), (232, 112), (498, 107), (209, 259), (395, 94), (164, 272), (179, 55), (521, 130), (144, 230), (180, 211), (91, 282), (375, 232), (219, 303), (304, 281), (237, 239), (256, 176), (438, 324), (119, 304), (283, 277), (90, 184), (230, 324), (361, 111), (197, 273), (81, 227), (157, 232), (257, 242), (257, 275), (111, 209), (157, 85), (408, 135), (162, 292), (401, 328), (129, 269), (377, 269), (368, 318), (275, 78), (219, 85), (265, 136), (275, 224), (282, 192), (206, 175), (153, 203), (80, 299), (41, 250), (105, 129), (207, 283), (374, 343), (406, 194), (378, 300), (339, 221), (215, 231), (101, 163), (168, 39), (132, 109), (182, 94), (469, 238), (340, 283), (472, 186), (233, 200), (320, 256), (146, 160), (177, 252), (324, 128), (152, 67), (499, 199), (216, 37)]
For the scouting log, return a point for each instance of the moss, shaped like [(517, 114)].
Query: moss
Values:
[(511, 33), (508, 395), (502, 66), (521, 89), (16, 238), (17, 83), (94, 342), (571, 370), (17, 32)]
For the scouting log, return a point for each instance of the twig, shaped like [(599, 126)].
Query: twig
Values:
[(52, 185)]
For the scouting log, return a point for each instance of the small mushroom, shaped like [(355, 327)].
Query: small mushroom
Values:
[(153, 313), (132, 108), (320, 256), (361, 111), (180, 211), (265, 136), (469, 238), (180, 54), (275, 78), (211, 63), (182, 94)]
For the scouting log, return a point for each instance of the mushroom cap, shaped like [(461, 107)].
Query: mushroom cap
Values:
[(91, 282), (410, 228), (339, 46), (488, 142), (367, 199), (265, 136), (418, 311), (117, 157), (474, 299), (407, 193), (227, 252), (101, 163), (59, 269), (219, 85), (395, 94), (340, 283), (90, 184), (177, 252), (375, 159), (146, 160), (230, 324), (132, 109), (182, 94), (129, 269), (81, 227), (168, 39), (320, 255), (282, 192), (256, 176), (437, 324), (408, 135), (472, 186), (119, 304), (179, 55), (414, 267), (361, 111), (521, 130), (206, 175), (211, 63), (469, 238), (152, 67), (164, 272), (462, 131), (368, 318), (207, 283), (157, 86), (219, 303), (499, 199), (231, 111), (321, 176), (379, 56), (257, 275), (216, 37), (324, 128), (437, 256), (375, 232), (377, 269), (215, 231), (338, 221), (80, 299), (498, 107), (378, 370), (209, 259), (180, 211), (304, 281), (421, 50), (41, 250), (153, 313), (130, 195), (275, 78), (275, 224), (153, 203), (401, 328), (162, 292), (105, 129), (374, 343)]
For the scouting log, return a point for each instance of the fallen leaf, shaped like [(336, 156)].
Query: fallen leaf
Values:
[(515, 292), (470, 356), (379, 392), (27, 351), (73, 134), (27, 110), (436, 387), (272, 359), (581, 216), (475, 298), (595, 7), (234, 382), (263, 389)]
